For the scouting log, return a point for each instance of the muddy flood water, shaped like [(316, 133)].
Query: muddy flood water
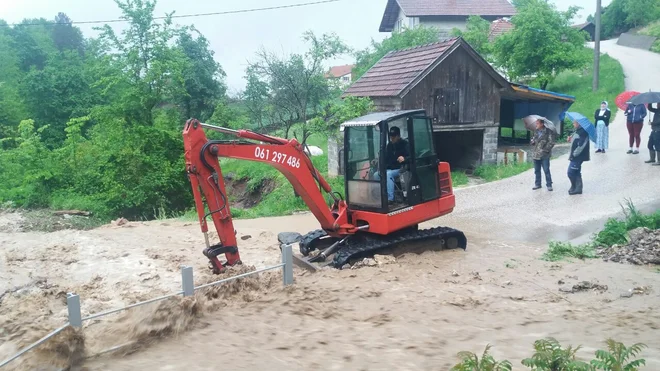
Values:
[(414, 312)]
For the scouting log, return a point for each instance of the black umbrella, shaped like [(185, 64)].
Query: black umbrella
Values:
[(646, 98)]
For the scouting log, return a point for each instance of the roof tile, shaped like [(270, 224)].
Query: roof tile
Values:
[(417, 8), (396, 70)]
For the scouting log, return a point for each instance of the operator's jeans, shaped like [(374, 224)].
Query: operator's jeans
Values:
[(545, 164), (391, 174)]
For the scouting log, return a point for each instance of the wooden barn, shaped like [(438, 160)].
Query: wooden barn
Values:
[(458, 89), (588, 27)]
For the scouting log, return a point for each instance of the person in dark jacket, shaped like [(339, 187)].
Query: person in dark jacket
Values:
[(654, 138), (635, 115), (396, 154), (602, 120), (579, 154)]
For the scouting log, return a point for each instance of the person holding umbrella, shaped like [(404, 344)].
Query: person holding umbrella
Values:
[(654, 138), (602, 119), (584, 131), (544, 140)]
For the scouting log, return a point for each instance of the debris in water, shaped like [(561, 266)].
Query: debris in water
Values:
[(640, 290), (454, 273), (366, 262), (246, 237), (119, 222), (643, 248), (585, 286), (384, 259), (476, 276)]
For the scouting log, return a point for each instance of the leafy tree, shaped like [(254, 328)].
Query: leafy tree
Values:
[(550, 356), (203, 76), (476, 34), (617, 357), (296, 83), (408, 38), (613, 19), (65, 36), (542, 43), (471, 362), (641, 12), (339, 111), (147, 67), (255, 97)]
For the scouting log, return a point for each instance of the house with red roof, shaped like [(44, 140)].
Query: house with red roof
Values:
[(444, 15), (343, 75)]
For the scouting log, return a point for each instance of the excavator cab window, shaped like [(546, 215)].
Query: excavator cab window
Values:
[(365, 144), (363, 188)]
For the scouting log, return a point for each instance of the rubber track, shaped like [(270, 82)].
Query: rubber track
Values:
[(369, 244), (307, 241)]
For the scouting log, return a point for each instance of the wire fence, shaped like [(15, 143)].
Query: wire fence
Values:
[(188, 289)]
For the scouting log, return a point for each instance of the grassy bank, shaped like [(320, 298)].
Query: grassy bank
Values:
[(653, 30), (579, 84), (614, 232)]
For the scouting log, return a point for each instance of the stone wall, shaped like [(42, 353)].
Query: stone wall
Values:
[(490, 145)]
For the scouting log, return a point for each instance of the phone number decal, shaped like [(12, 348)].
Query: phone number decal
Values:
[(276, 157)]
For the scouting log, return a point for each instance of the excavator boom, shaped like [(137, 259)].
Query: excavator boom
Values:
[(287, 156)]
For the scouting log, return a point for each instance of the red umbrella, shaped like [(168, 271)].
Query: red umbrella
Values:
[(623, 99)]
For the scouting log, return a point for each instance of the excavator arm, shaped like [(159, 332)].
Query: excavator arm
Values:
[(287, 156)]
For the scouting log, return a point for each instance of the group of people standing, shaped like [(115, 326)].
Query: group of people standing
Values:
[(544, 140), (635, 115)]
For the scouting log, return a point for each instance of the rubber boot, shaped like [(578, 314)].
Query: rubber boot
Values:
[(658, 157), (651, 157), (572, 189), (578, 185)]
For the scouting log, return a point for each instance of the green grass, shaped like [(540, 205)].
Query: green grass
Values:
[(579, 84), (614, 232), (459, 179), (491, 173), (653, 30), (562, 250)]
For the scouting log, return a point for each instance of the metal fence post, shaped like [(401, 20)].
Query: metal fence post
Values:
[(188, 284), (73, 305), (287, 269)]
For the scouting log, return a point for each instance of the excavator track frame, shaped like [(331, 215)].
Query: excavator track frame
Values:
[(364, 244)]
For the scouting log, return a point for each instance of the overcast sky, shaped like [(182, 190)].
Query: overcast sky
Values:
[(236, 37)]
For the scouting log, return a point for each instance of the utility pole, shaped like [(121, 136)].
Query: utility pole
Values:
[(597, 47)]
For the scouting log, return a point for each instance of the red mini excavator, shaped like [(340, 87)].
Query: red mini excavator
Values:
[(359, 225)]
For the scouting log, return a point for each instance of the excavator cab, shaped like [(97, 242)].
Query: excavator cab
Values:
[(407, 183)]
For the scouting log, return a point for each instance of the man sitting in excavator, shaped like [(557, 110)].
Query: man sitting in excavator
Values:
[(396, 154)]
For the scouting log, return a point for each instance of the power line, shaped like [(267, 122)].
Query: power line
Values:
[(186, 15)]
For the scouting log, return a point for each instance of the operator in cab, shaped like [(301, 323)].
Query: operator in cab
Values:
[(396, 154)]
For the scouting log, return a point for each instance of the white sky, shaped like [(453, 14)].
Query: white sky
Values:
[(236, 37)]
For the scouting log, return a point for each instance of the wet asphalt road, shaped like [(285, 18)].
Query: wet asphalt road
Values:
[(510, 209)]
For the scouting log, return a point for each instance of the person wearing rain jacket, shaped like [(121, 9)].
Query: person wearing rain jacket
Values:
[(654, 138), (543, 141), (579, 154), (635, 115)]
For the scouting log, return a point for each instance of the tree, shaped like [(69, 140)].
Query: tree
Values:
[(65, 36), (147, 66), (476, 34), (641, 12), (542, 43), (203, 76), (296, 84), (408, 38)]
